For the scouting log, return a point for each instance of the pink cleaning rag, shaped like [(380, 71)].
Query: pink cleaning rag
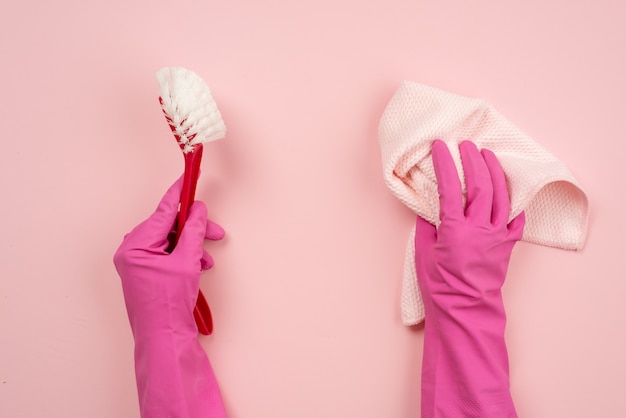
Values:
[(557, 209)]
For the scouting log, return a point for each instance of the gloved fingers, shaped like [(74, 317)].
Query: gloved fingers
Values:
[(207, 261), (161, 222), (425, 233), (448, 183), (192, 237), (478, 182), (516, 226), (501, 201), (214, 231)]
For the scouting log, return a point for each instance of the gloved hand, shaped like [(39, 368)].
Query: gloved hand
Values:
[(461, 267), (174, 376)]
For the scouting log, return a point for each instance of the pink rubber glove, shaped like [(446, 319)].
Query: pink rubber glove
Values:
[(174, 376), (461, 267)]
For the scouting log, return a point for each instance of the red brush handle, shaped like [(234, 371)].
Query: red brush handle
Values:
[(188, 193), (201, 312)]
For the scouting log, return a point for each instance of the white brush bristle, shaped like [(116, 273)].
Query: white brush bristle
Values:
[(189, 106)]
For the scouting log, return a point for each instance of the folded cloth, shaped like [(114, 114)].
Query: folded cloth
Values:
[(557, 208)]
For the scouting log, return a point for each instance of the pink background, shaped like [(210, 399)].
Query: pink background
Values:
[(306, 288)]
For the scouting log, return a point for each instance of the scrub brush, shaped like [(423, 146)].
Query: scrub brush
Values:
[(194, 119)]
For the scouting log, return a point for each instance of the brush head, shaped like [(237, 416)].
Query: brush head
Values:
[(189, 108)]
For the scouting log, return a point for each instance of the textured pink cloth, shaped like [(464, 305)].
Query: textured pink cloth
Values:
[(556, 207)]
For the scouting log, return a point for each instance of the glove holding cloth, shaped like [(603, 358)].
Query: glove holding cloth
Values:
[(174, 376), (461, 266), (556, 207)]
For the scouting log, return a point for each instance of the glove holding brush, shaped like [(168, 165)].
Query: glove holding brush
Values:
[(160, 262), (174, 376)]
